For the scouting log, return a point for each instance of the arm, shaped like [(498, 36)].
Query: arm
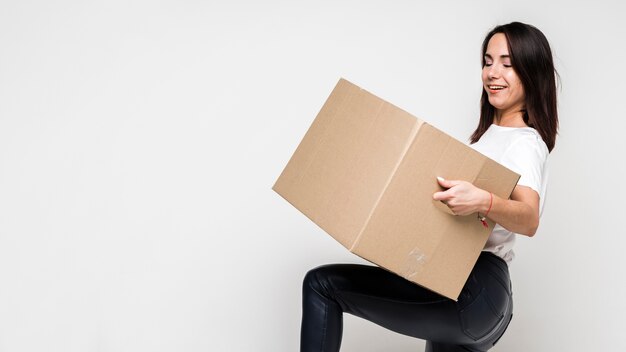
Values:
[(520, 214)]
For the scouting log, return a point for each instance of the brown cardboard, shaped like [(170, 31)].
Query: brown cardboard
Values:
[(365, 172)]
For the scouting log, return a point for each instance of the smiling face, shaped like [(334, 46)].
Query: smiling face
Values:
[(502, 84)]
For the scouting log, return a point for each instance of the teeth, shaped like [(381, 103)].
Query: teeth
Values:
[(496, 87)]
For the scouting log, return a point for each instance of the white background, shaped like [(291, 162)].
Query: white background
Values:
[(139, 141)]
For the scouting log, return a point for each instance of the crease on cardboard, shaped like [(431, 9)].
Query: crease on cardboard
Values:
[(412, 138), (480, 176), (487, 179), (415, 261)]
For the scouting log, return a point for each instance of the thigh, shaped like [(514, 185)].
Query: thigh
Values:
[(485, 304), (478, 318), (391, 301)]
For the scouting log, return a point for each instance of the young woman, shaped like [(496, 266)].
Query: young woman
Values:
[(517, 128)]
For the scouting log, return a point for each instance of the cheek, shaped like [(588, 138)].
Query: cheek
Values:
[(519, 90), (515, 81), (484, 76)]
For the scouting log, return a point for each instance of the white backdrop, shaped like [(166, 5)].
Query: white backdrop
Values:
[(139, 141)]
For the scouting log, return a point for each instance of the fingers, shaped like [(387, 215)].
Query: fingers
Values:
[(457, 196), (447, 183), (442, 196)]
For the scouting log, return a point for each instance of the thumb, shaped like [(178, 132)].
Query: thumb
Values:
[(443, 182), (447, 183)]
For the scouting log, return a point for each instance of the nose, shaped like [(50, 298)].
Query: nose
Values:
[(493, 71)]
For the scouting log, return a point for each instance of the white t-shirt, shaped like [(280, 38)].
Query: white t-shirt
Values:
[(522, 150)]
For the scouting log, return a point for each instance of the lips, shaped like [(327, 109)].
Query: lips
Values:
[(495, 88)]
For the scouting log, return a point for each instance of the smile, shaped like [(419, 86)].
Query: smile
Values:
[(495, 87)]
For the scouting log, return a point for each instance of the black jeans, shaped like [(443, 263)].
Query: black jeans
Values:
[(474, 323)]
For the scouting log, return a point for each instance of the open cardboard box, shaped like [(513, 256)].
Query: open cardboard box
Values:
[(365, 172)]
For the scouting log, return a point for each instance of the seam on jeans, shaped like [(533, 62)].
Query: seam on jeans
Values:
[(443, 299), (325, 326), (498, 279), (495, 261), (494, 270), (497, 264)]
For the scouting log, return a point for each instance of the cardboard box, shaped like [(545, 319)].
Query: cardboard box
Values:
[(365, 172)]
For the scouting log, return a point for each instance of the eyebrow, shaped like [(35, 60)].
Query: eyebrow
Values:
[(501, 56)]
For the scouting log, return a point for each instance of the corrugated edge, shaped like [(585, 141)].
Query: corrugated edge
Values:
[(320, 141)]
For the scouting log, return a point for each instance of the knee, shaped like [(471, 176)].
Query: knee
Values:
[(317, 279)]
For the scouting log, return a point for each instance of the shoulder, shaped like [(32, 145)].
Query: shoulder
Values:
[(527, 154), (527, 141)]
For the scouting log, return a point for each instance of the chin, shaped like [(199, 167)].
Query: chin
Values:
[(496, 105)]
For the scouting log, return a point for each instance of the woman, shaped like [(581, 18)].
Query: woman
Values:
[(517, 127)]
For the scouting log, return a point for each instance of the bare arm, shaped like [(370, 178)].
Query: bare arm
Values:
[(520, 214)]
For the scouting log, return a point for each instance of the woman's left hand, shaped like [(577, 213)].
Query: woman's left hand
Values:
[(462, 197)]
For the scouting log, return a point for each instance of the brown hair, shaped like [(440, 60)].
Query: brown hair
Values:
[(531, 58)]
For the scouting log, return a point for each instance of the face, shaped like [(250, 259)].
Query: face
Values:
[(500, 81)]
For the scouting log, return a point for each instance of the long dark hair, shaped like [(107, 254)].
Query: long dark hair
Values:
[(531, 58)]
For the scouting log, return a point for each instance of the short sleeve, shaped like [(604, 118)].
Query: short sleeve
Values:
[(527, 156)]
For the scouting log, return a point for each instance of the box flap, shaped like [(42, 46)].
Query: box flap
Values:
[(341, 167)]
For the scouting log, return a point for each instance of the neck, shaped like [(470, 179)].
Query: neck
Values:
[(509, 118)]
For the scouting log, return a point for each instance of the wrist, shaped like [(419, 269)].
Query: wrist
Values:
[(486, 203), (483, 217)]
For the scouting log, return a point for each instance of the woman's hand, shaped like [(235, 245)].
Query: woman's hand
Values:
[(520, 214), (462, 197)]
